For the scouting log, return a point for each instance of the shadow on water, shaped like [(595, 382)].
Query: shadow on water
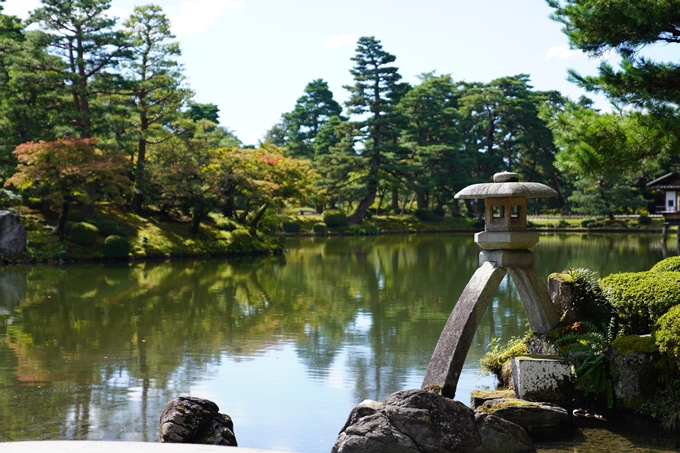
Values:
[(285, 345)]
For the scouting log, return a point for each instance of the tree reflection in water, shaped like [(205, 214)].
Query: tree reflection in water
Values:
[(95, 351)]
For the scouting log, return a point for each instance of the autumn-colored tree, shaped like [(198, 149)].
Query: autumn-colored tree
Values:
[(67, 170), (261, 176)]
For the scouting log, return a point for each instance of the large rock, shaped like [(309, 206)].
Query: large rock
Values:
[(633, 361), (422, 421), (12, 234), (542, 421), (499, 435), (193, 420)]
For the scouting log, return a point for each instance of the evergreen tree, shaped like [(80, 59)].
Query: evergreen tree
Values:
[(155, 82), (83, 36), (312, 110), (374, 95)]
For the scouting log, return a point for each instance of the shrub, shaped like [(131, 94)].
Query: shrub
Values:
[(589, 304), (335, 219), (644, 220), (667, 333), (423, 214), (9, 198), (291, 226), (671, 264), (439, 212), (76, 216), (320, 228), (562, 224), (641, 298), (83, 233), (241, 241), (116, 247), (109, 227)]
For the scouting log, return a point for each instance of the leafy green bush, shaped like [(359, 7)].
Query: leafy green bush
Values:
[(116, 247), (83, 233), (644, 220), (291, 226), (76, 216), (589, 304), (365, 230), (320, 228), (439, 212), (335, 219), (671, 264), (667, 333), (562, 224), (641, 298), (241, 241), (424, 214), (109, 227)]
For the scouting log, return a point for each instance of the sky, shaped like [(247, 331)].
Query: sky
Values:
[(253, 58)]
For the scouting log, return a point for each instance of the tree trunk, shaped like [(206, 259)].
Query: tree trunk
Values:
[(61, 222), (196, 217), (372, 187), (138, 196), (258, 216), (395, 199), (421, 200)]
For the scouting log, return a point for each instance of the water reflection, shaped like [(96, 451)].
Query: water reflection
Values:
[(285, 345)]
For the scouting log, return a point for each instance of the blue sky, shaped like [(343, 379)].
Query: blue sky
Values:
[(253, 58)]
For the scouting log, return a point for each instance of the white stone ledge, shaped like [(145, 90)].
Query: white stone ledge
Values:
[(83, 446)]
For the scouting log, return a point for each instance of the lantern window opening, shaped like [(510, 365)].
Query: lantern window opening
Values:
[(515, 211), (498, 211)]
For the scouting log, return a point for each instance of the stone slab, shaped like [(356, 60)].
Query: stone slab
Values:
[(83, 446), (506, 240), (543, 378), (507, 258)]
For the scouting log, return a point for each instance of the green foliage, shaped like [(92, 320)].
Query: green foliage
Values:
[(425, 215), (241, 241), (9, 198), (671, 264), (589, 303), (335, 220), (320, 229), (291, 226), (586, 349), (83, 233), (116, 247), (364, 230), (635, 344), (498, 354), (641, 298), (667, 333), (108, 227), (439, 212), (644, 220)]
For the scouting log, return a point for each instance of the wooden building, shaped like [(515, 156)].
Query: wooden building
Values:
[(670, 210)]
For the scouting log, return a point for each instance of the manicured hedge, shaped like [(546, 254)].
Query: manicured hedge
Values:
[(667, 333), (671, 264), (424, 214), (335, 219), (116, 247), (83, 233), (641, 298), (291, 226), (320, 228)]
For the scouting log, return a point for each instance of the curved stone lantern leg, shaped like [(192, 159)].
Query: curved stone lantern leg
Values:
[(504, 243)]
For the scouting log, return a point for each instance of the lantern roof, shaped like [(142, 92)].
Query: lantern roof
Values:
[(506, 185)]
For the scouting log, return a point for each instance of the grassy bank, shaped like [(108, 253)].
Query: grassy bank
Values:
[(156, 236), (149, 237)]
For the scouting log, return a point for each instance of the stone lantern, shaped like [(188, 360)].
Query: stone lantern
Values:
[(505, 245)]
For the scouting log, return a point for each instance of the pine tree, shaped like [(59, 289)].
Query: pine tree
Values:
[(374, 95)]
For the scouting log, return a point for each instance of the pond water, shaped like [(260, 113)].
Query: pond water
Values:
[(285, 345)]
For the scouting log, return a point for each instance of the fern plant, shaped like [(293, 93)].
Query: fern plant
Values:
[(587, 348)]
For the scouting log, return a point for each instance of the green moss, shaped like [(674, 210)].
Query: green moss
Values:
[(493, 360), (492, 406), (635, 344), (562, 277), (667, 333)]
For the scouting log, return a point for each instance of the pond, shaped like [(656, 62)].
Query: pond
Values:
[(285, 345)]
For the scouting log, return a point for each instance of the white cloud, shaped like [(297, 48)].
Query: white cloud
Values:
[(340, 40), (20, 8), (563, 53), (197, 15), (237, 6)]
